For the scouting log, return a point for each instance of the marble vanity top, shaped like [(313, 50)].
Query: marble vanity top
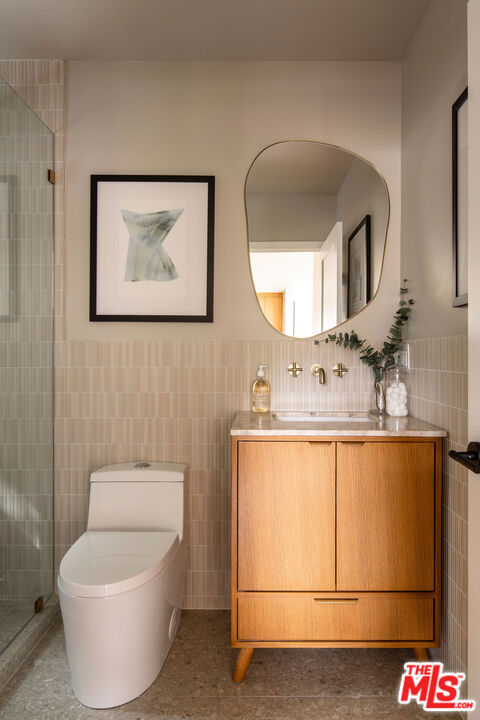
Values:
[(248, 423)]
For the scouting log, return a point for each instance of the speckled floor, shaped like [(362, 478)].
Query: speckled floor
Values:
[(195, 683), (14, 615)]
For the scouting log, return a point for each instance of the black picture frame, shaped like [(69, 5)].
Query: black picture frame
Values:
[(458, 299), (365, 249), (209, 181)]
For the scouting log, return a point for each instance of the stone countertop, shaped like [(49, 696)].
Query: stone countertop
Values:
[(248, 423)]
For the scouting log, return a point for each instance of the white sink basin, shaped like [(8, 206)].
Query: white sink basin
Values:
[(325, 417)]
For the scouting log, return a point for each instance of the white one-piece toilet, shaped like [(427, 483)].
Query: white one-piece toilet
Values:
[(121, 585)]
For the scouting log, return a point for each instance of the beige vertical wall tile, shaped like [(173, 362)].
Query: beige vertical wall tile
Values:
[(27, 445), (121, 401), (164, 401), (41, 84), (439, 395)]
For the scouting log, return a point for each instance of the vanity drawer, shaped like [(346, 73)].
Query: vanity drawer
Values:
[(308, 617)]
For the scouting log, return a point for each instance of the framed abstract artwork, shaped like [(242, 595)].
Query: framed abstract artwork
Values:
[(459, 200), (359, 267), (151, 248)]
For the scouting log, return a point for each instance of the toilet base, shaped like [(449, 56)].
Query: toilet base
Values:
[(116, 645)]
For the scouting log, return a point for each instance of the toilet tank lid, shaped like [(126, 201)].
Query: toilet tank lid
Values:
[(142, 471)]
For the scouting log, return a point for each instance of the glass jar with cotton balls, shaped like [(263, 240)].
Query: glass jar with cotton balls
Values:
[(397, 390)]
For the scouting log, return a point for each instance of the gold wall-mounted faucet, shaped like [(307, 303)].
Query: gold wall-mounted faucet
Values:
[(318, 371)]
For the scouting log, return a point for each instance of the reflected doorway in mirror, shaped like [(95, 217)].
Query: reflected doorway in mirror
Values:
[(272, 307)]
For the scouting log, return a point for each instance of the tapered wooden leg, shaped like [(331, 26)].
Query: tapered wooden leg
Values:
[(244, 657), (422, 654)]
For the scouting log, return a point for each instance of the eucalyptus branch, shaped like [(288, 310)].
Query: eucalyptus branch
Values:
[(378, 360)]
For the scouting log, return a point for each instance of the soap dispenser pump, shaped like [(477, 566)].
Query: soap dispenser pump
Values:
[(261, 392)]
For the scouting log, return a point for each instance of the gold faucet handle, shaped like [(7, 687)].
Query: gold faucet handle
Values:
[(294, 370), (339, 370), (318, 371)]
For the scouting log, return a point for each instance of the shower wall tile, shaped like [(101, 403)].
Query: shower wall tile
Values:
[(42, 86), (26, 344)]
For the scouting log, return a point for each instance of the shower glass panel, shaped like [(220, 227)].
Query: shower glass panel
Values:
[(26, 363)]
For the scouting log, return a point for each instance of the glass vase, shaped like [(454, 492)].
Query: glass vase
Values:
[(377, 396)]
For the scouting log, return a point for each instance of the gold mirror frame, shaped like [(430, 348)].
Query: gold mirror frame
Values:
[(355, 155)]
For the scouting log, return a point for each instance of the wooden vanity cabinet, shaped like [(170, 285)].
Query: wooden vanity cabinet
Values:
[(386, 516), (335, 543), (286, 516)]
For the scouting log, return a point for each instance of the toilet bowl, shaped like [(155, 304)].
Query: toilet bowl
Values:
[(121, 584)]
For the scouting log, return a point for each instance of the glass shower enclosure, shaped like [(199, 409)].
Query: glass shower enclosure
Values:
[(26, 364)]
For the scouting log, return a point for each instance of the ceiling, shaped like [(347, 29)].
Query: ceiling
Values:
[(209, 29), (299, 168)]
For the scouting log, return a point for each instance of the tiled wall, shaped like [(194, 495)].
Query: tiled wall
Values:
[(439, 395), (174, 401), (26, 334), (42, 85)]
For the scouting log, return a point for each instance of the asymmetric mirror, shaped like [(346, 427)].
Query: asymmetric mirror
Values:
[(317, 224)]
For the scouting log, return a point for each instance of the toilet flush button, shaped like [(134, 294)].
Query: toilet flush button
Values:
[(142, 465)]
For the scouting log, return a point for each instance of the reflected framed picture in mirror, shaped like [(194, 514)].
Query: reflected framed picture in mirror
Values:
[(459, 200), (359, 267)]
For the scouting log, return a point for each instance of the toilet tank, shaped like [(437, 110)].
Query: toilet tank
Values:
[(137, 496)]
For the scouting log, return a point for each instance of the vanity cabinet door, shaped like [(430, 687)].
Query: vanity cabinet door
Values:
[(385, 516), (286, 516)]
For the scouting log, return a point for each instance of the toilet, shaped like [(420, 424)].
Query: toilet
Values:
[(121, 585)]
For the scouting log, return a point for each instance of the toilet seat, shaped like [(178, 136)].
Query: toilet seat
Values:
[(106, 563)]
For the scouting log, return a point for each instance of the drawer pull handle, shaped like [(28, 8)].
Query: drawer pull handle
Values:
[(354, 444), (335, 601), (318, 442)]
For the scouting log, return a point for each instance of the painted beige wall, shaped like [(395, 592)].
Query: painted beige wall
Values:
[(474, 349), (213, 118), (434, 75)]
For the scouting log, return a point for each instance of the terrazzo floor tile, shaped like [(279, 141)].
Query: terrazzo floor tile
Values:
[(195, 682), (13, 617)]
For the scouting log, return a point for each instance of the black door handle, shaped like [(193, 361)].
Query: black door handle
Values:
[(470, 458)]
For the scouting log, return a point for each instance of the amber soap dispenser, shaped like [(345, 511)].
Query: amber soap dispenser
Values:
[(261, 392)]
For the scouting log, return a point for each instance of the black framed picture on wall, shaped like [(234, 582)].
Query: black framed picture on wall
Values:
[(460, 200), (359, 267), (151, 248)]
